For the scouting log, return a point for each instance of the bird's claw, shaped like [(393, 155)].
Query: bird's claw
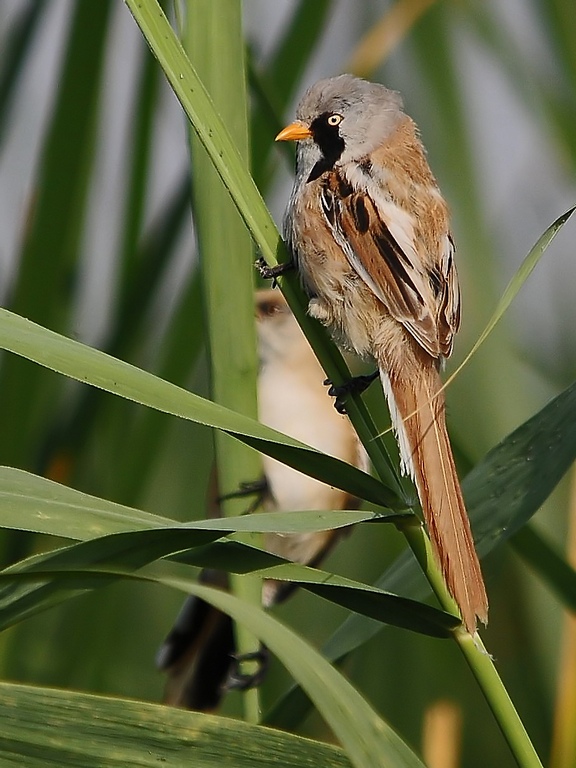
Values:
[(257, 488), (354, 386), (272, 273), (240, 681), (247, 488)]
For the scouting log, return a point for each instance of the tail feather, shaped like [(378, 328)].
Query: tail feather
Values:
[(418, 415), (197, 654)]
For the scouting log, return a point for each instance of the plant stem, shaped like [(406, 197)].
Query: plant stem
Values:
[(476, 655), (483, 669), (213, 36)]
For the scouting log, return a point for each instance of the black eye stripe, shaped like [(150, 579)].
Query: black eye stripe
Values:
[(331, 144)]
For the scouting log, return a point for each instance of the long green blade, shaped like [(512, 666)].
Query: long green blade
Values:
[(100, 370), (515, 284), (369, 741), (47, 728)]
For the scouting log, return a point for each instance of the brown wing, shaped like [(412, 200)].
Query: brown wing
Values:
[(422, 295)]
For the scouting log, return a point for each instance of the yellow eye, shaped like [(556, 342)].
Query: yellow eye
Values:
[(334, 120)]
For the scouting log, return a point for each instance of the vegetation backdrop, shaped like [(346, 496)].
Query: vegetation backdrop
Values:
[(118, 234)]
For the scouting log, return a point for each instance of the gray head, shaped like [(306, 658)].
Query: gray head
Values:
[(346, 118)]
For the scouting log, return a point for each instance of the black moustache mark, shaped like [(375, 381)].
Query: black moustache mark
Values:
[(331, 144), (320, 167)]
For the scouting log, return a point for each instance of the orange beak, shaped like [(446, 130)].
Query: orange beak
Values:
[(294, 132)]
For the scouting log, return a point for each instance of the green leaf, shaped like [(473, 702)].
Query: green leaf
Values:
[(125, 552), (548, 563), (82, 568), (514, 479), (29, 586), (380, 605), (93, 367), (515, 284), (32, 503), (368, 740), (47, 728), (28, 502)]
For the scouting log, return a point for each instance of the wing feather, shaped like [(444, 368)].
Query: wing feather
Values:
[(424, 298)]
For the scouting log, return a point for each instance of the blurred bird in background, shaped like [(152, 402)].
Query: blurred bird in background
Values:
[(198, 653)]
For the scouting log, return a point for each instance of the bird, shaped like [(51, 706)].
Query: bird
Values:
[(197, 654), (368, 230)]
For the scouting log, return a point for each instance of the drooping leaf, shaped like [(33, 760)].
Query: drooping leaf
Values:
[(33, 585), (368, 740), (93, 367), (32, 503), (49, 728)]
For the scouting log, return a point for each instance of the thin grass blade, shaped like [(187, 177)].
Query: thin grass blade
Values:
[(514, 286)]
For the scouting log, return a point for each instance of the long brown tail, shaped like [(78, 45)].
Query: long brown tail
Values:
[(418, 415)]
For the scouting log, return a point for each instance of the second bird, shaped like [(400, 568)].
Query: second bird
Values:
[(196, 655), (369, 232)]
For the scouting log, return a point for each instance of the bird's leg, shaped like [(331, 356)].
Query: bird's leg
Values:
[(271, 273), (258, 488), (241, 681), (356, 385)]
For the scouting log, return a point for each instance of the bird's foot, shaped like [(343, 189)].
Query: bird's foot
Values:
[(354, 386), (257, 488), (248, 488), (241, 681), (272, 273)]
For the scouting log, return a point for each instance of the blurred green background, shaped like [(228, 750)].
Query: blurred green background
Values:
[(97, 242)]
